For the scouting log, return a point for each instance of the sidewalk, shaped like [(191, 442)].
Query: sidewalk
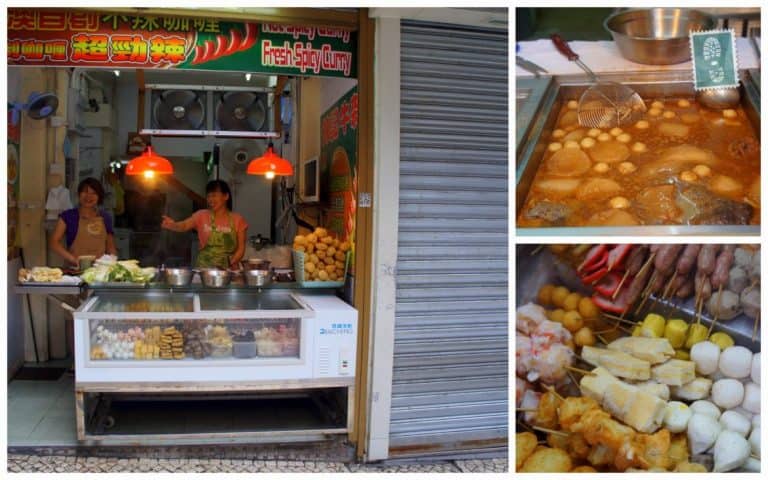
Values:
[(69, 464)]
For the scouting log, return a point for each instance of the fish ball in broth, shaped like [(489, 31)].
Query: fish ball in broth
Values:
[(624, 138), (594, 132), (619, 202), (726, 186), (702, 170), (642, 124), (627, 167), (571, 144), (568, 162), (601, 167), (609, 152), (558, 133), (639, 147), (554, 146), (587, 142), (604, 137), (688, 176)]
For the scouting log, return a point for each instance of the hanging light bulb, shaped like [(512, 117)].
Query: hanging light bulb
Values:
[(247, 77), (270, 165), (117, 73), (149, 164)]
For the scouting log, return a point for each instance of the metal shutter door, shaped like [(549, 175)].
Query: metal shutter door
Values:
[(450, 378)]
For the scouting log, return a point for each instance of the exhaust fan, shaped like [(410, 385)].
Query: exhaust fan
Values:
[(241, 111), (236, 154), (178, 110)]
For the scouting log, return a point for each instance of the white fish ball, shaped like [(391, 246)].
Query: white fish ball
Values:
[(705, 355), (558, 133), (702, 432), (751, 398), (752, 465), (735, 422), (676, 416), (727, 393), (744, 413), (754, 441), (756, 421), (705, 407), (736, 362), (731, 451), (754, 372)]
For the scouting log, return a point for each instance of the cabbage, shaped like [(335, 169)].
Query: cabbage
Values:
[(122, 271)]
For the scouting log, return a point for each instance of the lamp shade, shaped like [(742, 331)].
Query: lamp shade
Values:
[(270, 165), (149, 164)]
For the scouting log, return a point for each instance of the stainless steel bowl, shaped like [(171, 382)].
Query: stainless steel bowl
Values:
[(258, 278), (214, 277), (656, 36), (257, 264), (178, 277)]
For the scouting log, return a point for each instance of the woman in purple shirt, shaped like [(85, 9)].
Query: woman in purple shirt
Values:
[(87, 228)]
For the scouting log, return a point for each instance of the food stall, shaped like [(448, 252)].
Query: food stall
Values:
[(636, 357), (155, 106), (679, 157)]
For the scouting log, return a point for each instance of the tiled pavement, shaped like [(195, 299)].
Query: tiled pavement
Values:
[(62, 464)]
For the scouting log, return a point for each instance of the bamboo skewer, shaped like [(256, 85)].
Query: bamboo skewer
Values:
[(526, 409), (537, 250), (599, 337), (573, 379), (552, 389), (619, 319), (754, 328), (525, 426), (647, 292), (549, 430), (698, 310), (579, 370), (621, 283), (717, 311)]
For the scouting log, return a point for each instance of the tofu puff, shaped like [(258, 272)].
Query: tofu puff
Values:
[(525, 444), (546, 412), (548, 460)]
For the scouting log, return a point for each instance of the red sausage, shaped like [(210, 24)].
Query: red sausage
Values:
[(666, 258), (636, 259), (706, 261), (723, 266), (687, 260)]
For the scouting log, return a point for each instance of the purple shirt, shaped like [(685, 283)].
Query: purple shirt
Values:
[(71, 219)]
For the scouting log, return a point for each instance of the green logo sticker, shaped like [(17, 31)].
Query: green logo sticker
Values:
[(714, 59)]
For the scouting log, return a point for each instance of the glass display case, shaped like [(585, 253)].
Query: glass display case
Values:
[(164, 336)]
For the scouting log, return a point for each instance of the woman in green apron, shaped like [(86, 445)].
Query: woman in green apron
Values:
[(221, 232)]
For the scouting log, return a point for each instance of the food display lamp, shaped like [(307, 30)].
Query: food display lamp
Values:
[(149, 164), (270, 165)]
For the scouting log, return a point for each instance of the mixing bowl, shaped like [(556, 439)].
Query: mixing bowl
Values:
[(258, 278), (178, 277), (656, 36), (214, 277)]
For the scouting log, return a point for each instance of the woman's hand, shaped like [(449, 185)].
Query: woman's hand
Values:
[(168, 223)]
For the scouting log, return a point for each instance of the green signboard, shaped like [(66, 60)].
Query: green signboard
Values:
[(60, 37), (714, 59), (338, 154)]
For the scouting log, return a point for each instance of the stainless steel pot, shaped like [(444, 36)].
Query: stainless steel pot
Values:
[(178, 277), (258, 278), (656, 36), (214, 277)]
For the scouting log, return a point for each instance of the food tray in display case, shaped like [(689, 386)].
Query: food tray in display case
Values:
[(299, 260)]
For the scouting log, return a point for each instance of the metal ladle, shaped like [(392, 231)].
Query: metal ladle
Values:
[(719, 98)]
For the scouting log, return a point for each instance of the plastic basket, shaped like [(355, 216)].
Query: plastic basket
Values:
[(298, 269)]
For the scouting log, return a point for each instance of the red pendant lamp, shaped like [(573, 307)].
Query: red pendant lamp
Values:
[(270, 165), (149, 164)]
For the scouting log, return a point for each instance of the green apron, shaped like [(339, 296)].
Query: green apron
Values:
[(219, 247)]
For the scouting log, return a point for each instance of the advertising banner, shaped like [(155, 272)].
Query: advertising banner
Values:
[(338, 153), (14, 137), (74, 38)]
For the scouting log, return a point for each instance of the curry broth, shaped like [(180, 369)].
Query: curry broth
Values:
[(735, 154)]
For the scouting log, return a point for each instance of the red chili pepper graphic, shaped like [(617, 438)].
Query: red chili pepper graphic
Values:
[(251, 33), (221, 46), (198, 55), (207, 54), (235, 40)]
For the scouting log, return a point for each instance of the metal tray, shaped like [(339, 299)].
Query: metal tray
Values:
[(535, 271), (530, 149)]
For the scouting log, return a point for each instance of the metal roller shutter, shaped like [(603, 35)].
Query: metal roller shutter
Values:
[(450, 378)]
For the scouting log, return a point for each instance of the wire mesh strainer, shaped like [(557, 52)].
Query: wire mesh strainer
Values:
[(604, 104)]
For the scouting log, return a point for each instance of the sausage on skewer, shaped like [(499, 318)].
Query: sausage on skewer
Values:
[(723, 264), (688, 259)]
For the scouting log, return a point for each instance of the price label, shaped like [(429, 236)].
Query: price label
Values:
[(714, 59)]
